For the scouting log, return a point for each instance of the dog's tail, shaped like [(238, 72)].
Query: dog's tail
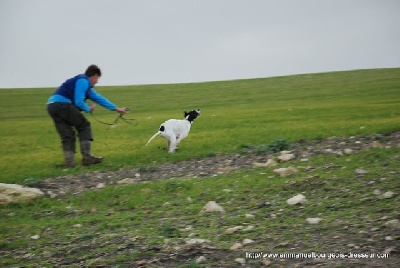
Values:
[(160, 130), (155, 135)]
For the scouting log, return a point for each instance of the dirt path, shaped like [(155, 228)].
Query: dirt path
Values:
[(212, 166)]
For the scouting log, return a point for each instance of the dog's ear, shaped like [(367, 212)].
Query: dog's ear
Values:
[(186, 114)]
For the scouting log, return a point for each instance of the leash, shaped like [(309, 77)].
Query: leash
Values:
[(131, 121)]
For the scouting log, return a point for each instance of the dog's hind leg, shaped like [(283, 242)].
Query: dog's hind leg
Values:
[(172, 146)]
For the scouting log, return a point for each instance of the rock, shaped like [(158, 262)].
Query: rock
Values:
[(236, 246), (201, 259), (248, 228), (240, 260), (247, 241), (348, 151), (14, 193), (194, 241), (126, 181), (360, 171), (389, 250), (266, 262), (286, 157), (377, 192), (51, 194), (393, 224), (313, 220), (212, 206), (297, 199), (100, 185), (376, 144), (285, 172), (35, 237), (249, 216), (388, 194), (269, 163), (232, 230)]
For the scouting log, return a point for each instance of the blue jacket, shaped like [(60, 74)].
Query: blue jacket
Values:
[(77, 90)]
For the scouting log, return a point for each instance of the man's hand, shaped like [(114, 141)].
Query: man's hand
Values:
[(122, 110), (92, 107)]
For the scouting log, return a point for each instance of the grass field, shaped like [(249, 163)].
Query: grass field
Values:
[(120, 225), (234, 113)]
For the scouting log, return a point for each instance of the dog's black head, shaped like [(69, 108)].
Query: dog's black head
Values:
[(192, 115)]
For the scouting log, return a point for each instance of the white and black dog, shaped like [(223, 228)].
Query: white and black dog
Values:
[(175, 130)]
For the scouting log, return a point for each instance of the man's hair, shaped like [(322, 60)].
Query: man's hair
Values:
[(93, 70)]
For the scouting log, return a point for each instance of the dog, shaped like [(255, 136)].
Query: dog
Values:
[(175, 130)]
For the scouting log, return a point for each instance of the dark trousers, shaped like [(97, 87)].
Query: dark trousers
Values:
[(69, 122)]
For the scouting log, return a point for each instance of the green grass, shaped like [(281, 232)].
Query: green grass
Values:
[(234, 113), (116, 217), (121, 224)]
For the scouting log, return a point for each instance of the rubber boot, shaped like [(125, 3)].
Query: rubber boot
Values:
[(69, 157), (87, 158)]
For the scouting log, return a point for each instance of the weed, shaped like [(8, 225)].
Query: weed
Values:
[(169, 231), (279, 145)]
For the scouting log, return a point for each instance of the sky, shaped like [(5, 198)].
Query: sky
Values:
[(134, 42)]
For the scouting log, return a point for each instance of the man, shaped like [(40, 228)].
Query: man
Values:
[(65, 107)]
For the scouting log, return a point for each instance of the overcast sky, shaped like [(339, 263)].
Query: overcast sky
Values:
[(44, 42)]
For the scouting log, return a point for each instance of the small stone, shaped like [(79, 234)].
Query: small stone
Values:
[(100, 185), (248, 228), (388, 194), (240, 260), (78, 225), (236, 246), (313, 220), (232, 230), (247, 241), (194, 241), (389, 250), (35, 237), (348, 151), (126, 181), (297, 199), (46, 254), (393, 224), (269, 163), (360, 171), (377, 192), (249, 216), (212, 206), (285, 172), (376, 144), (201, 259), (266, 262), (286, 157), (388, 238)]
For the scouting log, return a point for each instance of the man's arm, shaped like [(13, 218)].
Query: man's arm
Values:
[(80, 88), (99, 99)]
